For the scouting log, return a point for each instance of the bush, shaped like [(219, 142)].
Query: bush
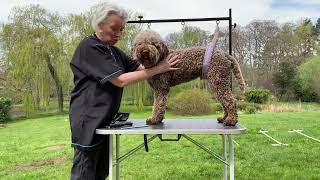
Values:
[(5, 107), (192, 102), (250, 110), (243, 106), (259, 95), (305, 94), (217, 107)]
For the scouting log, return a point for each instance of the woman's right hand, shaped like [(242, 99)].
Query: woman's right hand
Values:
[(168, 64)]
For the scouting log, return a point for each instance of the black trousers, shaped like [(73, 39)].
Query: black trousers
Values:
[(91, 165)]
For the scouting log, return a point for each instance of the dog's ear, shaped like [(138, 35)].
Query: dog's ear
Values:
[(134, 49), (164, 52)]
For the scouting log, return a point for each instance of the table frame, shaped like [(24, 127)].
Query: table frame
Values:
[(138, 128)]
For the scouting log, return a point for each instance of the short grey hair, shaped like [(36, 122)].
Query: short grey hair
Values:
[(102, 11)]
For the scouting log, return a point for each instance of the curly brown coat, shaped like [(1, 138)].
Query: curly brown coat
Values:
[(149, 49)]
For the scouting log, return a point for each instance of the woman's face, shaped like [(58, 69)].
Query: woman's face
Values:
[(112, 30)]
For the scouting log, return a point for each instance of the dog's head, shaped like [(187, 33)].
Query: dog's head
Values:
[(149, 49)]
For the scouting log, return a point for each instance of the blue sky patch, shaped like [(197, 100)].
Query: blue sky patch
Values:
[(295, 4)]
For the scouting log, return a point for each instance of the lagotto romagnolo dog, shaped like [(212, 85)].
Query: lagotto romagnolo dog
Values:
[(149, 49)]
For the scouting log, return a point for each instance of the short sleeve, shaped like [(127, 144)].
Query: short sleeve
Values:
[(95, 61), (130, 64)]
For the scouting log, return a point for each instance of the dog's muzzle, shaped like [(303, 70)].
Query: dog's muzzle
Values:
[(147, 55)]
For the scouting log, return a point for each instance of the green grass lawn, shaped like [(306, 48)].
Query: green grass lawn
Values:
[(25, 153)]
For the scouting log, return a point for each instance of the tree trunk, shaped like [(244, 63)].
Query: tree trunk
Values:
[(57, 83)]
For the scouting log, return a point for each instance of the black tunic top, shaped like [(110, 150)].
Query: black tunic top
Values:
[(94, 99)]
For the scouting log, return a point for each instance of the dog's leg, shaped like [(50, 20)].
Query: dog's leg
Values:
[(221, 119), (159, 106), (230, 104), (219, 82)]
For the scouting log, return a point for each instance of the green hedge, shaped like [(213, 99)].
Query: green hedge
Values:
[(191, 102), (5, 107), (259, 95)]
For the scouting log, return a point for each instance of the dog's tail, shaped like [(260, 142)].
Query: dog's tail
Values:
[(237, 73)]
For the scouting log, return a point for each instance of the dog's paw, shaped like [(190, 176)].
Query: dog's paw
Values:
[(151, 121), (220, 119), (230, 122)]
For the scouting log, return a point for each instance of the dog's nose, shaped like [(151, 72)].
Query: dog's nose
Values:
[(145, 52)]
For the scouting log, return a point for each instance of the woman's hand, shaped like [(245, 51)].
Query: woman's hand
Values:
[(169, 63)]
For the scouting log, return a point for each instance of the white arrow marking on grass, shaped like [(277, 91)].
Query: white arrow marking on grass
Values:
[(278, 142), (299, 131)]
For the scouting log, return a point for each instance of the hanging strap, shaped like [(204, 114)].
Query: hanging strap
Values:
[(209, 51)]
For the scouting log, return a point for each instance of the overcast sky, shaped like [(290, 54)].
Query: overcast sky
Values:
[(243, 11)]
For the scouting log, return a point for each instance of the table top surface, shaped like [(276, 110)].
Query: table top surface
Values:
[(175, 126)]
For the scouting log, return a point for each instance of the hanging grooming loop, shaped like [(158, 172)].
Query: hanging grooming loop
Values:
[(149, 25), (216, 33), (217, 26), (183, 23)]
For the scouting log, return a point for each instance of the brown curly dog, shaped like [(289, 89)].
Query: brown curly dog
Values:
[(149, 49)]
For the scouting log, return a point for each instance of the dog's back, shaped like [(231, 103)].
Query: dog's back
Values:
[(190, 66)]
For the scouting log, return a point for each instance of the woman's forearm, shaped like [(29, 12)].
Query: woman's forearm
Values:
[(133, 77), (136, 76)]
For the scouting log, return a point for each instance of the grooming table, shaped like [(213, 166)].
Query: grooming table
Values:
[(180, 127)]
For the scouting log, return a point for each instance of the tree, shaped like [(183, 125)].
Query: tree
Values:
[(284, 80), (304, 41), (33, 47), (316, 28), (171, 40), (317, 34), (308, 80), (260, 56)]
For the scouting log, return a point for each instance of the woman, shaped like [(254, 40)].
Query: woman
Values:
[(100, 72)]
